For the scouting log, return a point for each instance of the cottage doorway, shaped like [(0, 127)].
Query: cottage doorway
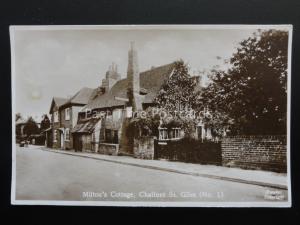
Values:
[(49, 139), (77, 142), (62, 140)]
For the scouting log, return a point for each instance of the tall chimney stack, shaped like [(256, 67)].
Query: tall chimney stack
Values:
[(133, 75), (133, 80)]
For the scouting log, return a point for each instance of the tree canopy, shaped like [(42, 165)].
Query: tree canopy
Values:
[(174, 104), (31, 127), (45, 123), (251, 96), (179, 92)]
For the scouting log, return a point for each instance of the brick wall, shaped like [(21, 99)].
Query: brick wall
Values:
[(255, 152), (144, 148)]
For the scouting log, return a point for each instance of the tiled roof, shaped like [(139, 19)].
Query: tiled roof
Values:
[(58, 102), (153, 79), (81, 97), (86, 127), (150, 81)]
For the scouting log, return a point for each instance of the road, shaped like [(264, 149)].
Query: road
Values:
[(44, 175)]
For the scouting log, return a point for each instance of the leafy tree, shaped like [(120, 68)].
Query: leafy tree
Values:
[(178, 97), (31, 127), (174, 104), (45, 123), (178, 93), (251, 96)]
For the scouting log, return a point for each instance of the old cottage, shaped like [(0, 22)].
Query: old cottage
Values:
[(64, 114), (103, 121)]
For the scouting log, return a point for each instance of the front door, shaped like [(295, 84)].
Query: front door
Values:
[(77, 142), (49, 139)]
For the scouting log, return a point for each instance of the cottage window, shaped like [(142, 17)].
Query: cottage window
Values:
[(67, 134), (163, 133), (108, 136), (115, 137), (67, 114), (176, 133), (55, 136), (55, 116), (111, 136), (117, 114)]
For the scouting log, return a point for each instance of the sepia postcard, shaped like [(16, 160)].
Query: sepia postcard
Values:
[(151, 115)]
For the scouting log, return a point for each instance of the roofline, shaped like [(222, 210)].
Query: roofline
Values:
[(69, 100), (53, 100), (122, 104), (107, 107), (156, 67), (68, 104)]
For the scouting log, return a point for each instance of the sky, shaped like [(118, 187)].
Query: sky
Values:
[(59, 62)]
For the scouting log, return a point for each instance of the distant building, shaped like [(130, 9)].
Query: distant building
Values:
[(20, 124), (64, 114), (54, 134)]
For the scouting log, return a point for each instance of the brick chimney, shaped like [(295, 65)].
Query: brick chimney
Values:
[(133, 79), (133, 75), (111, 77)]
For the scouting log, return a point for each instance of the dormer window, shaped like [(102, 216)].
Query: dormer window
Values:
[(56, 117), (67, 114)]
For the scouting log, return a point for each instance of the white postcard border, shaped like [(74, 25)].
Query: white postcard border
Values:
[(274, 204)]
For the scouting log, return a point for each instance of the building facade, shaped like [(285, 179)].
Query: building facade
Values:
[(97, 120), (103, 122), (64, 115)]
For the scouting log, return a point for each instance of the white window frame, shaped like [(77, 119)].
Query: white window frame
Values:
[(164, 134), (67, 114), (176, 133), (56, 119)]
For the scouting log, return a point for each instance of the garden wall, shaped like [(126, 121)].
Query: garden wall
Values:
[(108, 149), (255, 152), (144, 147)]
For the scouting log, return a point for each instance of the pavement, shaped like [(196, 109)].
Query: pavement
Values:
[(254, 177)]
